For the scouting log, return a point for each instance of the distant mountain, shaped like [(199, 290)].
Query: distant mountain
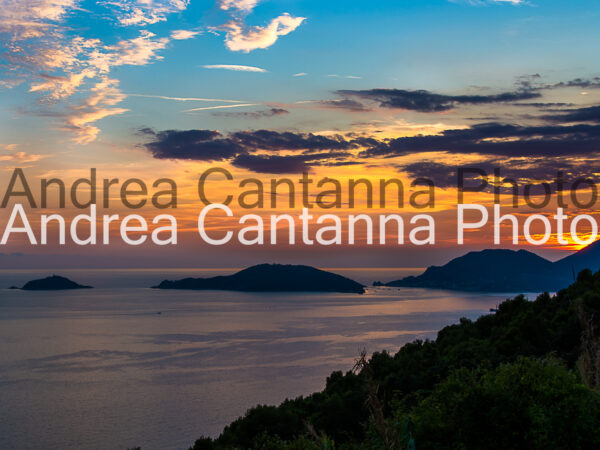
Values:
[(271, 278), (53, 283), (493, 270), (586, 258)]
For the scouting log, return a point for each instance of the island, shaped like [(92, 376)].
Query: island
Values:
[(53, 283), (271, 278)]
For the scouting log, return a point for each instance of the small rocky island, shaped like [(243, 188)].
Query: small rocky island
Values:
[(53, 283), (271, 278)]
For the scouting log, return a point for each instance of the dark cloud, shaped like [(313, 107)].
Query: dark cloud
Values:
[(198, 145), (528, 87), (253, 114), (534, 83), (346, 103), (495, 139), (565, 130), (426, 101), (590, 114), (330, 163), (520, 170), (528, 82), (443, 175), (287, 164), (543, 105), (498, 139), (239, 148), (272, 163), (274, 141), (577, 82), (145, 131)]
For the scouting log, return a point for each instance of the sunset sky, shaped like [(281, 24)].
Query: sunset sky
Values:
[(269, 89)]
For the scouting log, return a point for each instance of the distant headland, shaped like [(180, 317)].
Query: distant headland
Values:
[(501, 270), (271, 278)]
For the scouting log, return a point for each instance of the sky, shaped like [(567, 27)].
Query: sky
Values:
[(267, 89)]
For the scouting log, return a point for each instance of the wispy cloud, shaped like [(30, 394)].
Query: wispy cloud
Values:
[(60, 86), (184, 99), (21, 157), (144, 12), (92, 60), (80, 122), (138, 51), (234, 67), (351, 77), (300, 74), (219, 107), (240, 5), (95, 61), (487, 2), (26, 19), (40, 48), (180, 35), (100, 104), (245, 39)]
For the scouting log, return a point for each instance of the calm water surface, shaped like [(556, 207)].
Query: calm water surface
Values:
[(123, 365)]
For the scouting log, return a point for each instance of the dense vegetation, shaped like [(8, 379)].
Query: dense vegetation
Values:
[(524, 377)]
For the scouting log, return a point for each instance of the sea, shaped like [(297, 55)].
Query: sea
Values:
[(124, 365)]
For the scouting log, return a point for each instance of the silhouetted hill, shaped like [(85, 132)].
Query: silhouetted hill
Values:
[(586, 258), (492, 270), (53, 283), (271, 278)]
